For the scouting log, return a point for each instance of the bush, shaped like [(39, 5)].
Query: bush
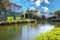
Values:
[(57, 13), (54, 34)]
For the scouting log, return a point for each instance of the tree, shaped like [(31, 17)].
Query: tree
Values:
[(57, 13), (2, 7)]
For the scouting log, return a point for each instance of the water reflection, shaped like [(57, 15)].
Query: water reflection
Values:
[(23, 31)]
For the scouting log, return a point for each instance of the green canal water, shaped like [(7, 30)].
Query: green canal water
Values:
[(26, 31)]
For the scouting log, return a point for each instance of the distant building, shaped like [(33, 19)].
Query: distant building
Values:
[(31, 13), (34, 12)]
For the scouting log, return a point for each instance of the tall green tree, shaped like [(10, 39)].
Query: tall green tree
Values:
[(57, 13)]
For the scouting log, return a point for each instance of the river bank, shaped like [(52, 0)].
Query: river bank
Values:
[(20, 21)]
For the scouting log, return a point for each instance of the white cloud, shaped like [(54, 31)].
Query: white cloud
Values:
[(32, 8), (45, 9), (38, 2), (46, 1)]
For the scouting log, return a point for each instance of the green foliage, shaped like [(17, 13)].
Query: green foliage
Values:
[(54, 34), (2, 7), (51, 18), (35, 17), (57, 13), (24, 15)]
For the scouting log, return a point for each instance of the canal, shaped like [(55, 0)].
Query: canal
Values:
[(24, 31)]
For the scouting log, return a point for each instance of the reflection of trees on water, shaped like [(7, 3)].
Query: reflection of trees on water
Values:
[(32, 25), (56, 24), (23, 31), (43, 22), (10, 31)]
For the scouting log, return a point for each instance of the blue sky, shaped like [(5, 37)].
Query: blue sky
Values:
[(40, 5)]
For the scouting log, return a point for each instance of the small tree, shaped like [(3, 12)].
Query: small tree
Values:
[(57, 13)]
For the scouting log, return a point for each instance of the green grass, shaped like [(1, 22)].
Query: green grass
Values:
[(54, 34)]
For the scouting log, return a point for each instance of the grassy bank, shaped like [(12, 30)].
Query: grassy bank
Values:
[(54, 34)]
